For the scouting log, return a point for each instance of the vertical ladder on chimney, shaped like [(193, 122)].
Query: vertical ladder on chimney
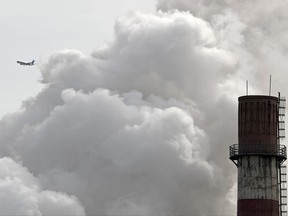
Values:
[(281, 119), (282, 180), (283, 190)]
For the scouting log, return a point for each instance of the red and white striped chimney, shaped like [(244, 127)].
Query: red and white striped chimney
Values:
[(258, 156)]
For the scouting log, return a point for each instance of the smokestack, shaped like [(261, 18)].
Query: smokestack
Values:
[(259, 156)]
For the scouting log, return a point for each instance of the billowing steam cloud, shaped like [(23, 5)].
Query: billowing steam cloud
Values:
[(21, 194), (143, 125), (255, 32)]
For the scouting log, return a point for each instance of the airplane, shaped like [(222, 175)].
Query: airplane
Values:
[(26, 63)]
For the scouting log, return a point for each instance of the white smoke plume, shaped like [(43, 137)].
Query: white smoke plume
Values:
[(22, 194), (142, 125), (255, 32)]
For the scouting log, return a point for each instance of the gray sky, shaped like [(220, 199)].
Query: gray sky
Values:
[(34, 29)]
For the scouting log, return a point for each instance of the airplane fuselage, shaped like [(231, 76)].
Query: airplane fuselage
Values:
[(26, 63)]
